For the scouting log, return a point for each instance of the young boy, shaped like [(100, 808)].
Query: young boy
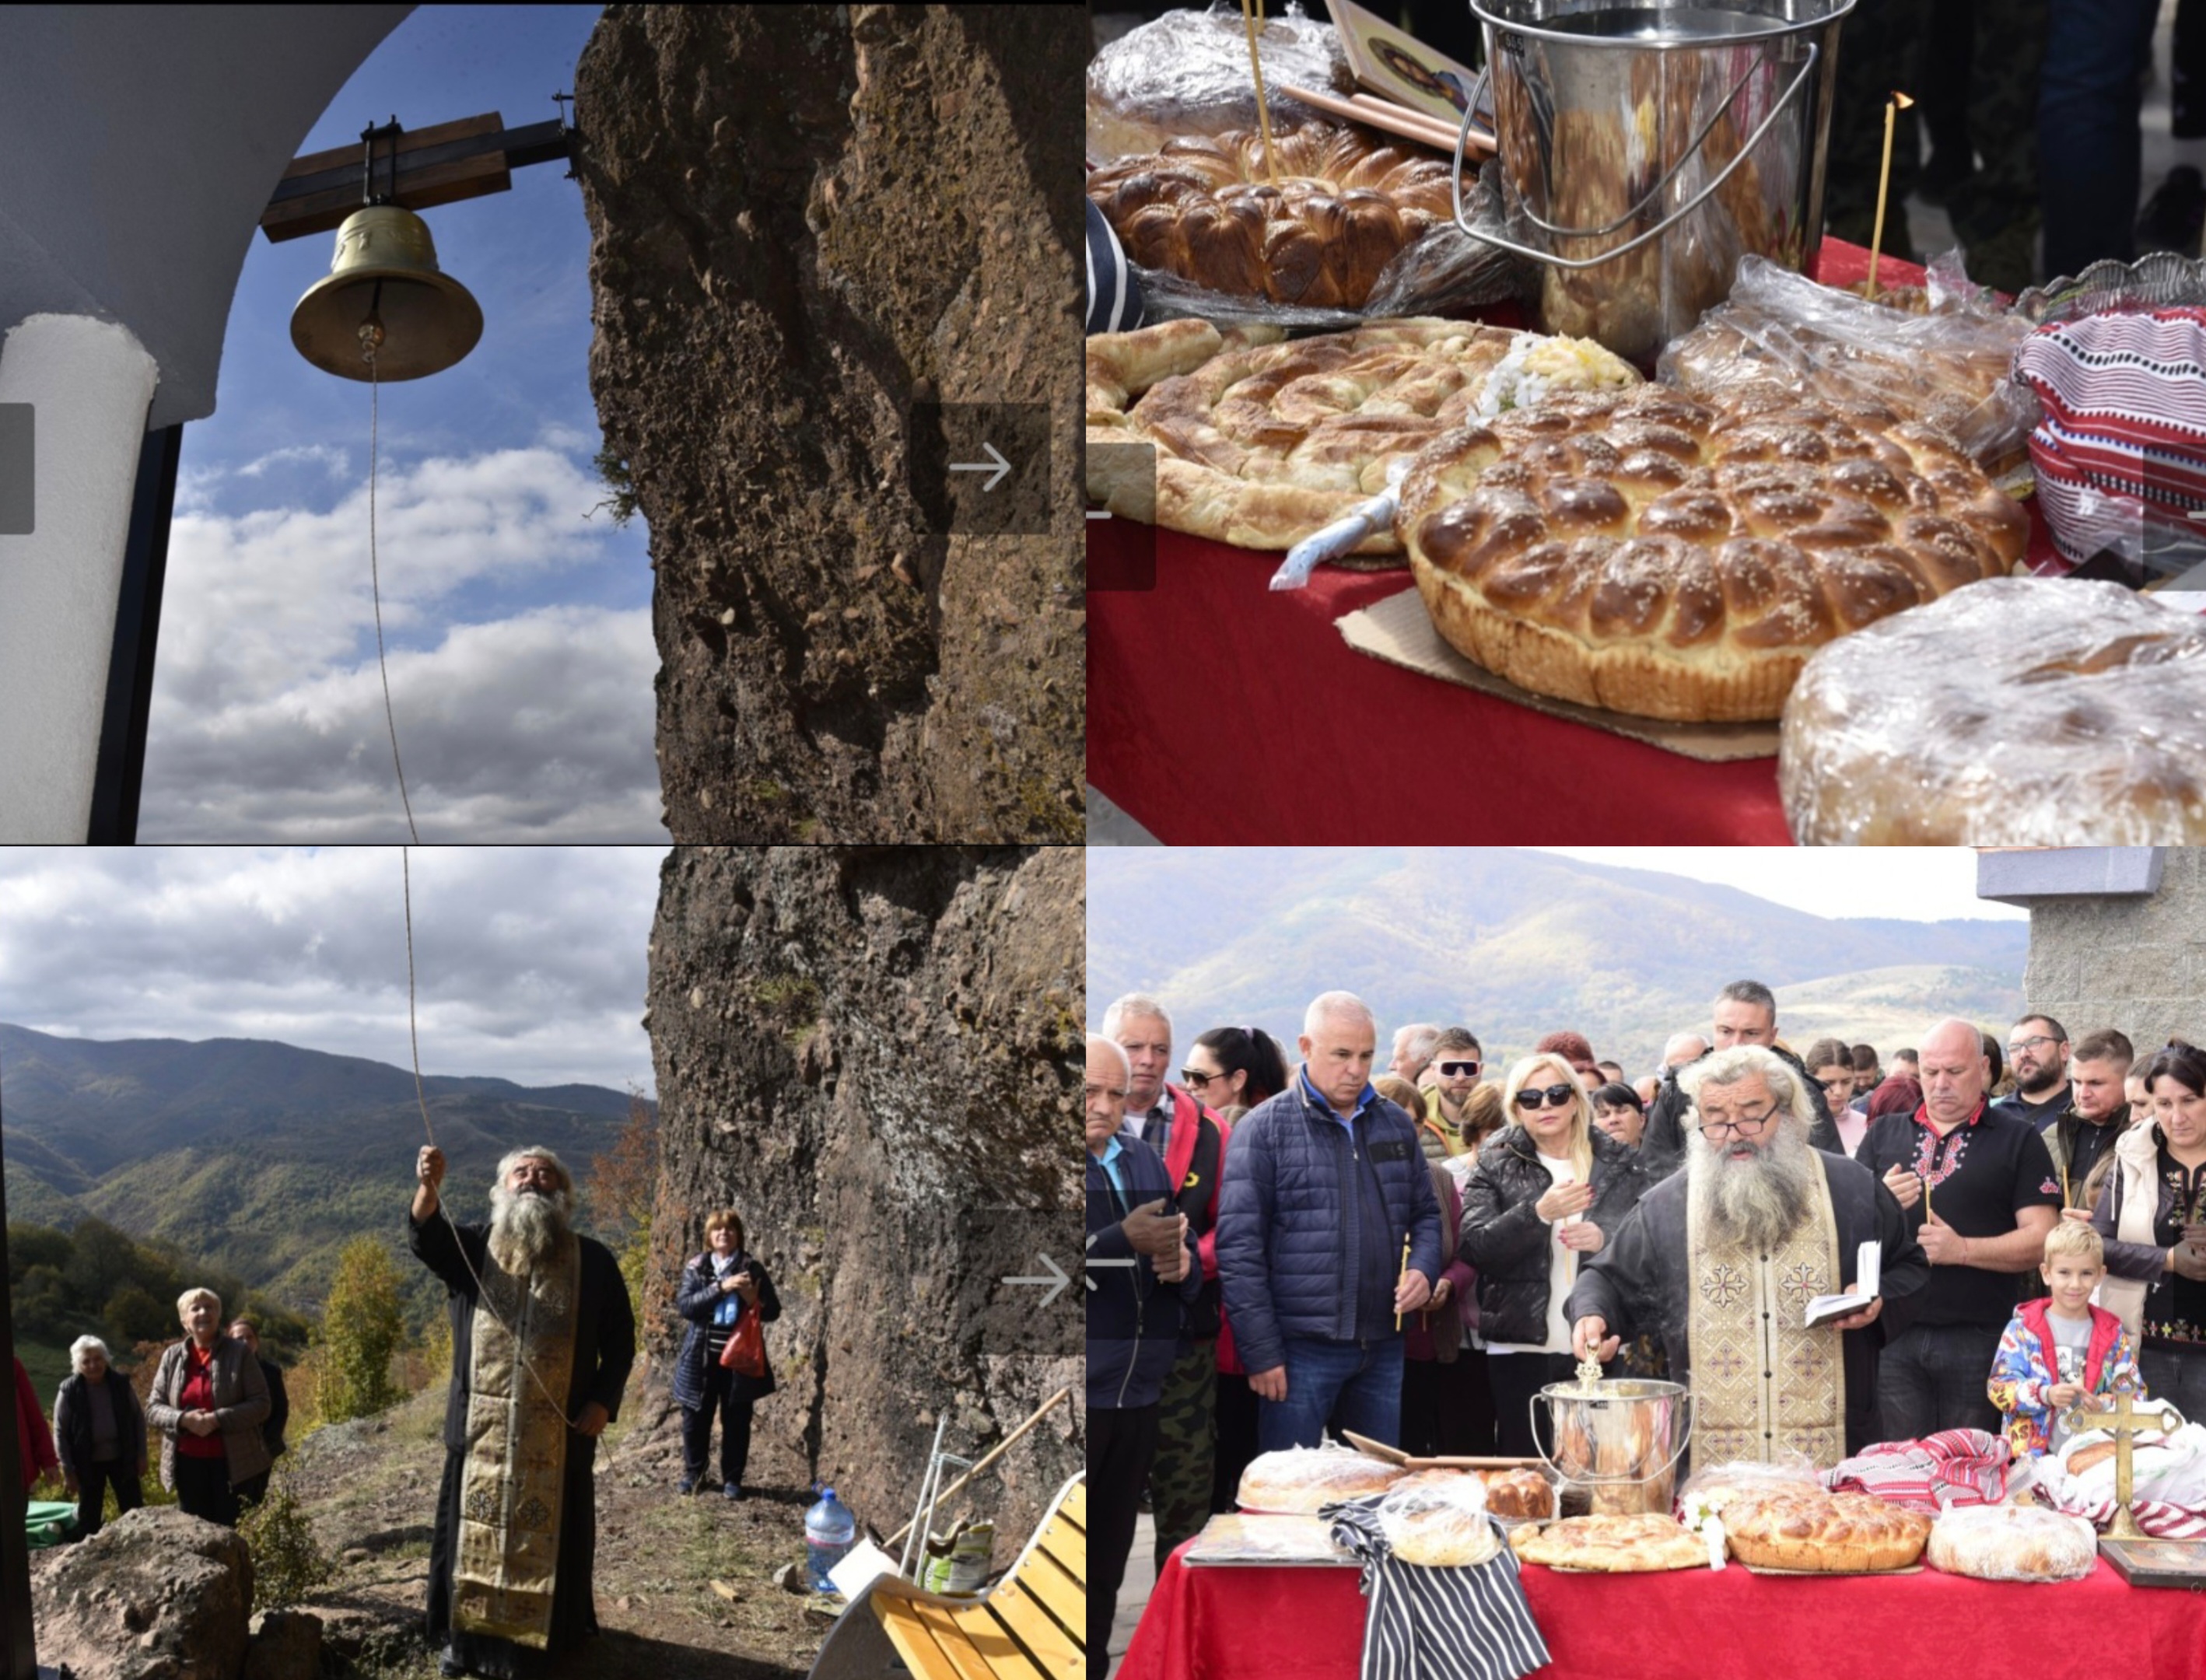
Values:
[(2058, 1349)]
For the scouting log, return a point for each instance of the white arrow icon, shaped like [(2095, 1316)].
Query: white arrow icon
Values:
[(1057, 1279), (994, 478)]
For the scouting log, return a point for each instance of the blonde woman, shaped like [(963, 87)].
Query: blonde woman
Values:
[(1547, 1189), (209, 1400)]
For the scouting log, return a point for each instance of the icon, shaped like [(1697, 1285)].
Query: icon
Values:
[(981, 468), (17, 476)]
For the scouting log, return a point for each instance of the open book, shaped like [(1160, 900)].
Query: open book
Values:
[(1868, 1265)]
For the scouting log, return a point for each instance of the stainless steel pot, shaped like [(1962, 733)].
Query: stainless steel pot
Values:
[(1645, 148), (1621, 1439)]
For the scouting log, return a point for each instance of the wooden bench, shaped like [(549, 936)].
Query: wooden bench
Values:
[(1031, 1625)]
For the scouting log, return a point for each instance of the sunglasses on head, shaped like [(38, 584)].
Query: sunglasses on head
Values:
[(1458, 1069), (1554, 1096)]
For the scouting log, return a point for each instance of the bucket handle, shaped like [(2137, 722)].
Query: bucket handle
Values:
[(1798, 81), (1532, 1409)]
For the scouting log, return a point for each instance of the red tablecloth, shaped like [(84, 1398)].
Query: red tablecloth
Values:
[(1221, 714), (1213, 1623)]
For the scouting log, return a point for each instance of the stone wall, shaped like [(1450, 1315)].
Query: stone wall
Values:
[(804, 221), (2137, 963), (869, 1053)]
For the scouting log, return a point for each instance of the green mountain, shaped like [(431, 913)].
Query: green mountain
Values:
[(261, 1157), (1515, 945)]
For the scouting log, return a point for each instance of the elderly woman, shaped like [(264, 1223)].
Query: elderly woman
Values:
[(100, 1435), (717, 1288), (1547, 1191), (209, 1400)]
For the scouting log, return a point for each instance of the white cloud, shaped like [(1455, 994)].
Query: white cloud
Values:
[(267, 716), (336, 461), (531, 960)]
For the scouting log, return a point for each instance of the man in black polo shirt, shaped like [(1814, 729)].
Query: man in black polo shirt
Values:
[(1981, 1192), (2037, 1053)]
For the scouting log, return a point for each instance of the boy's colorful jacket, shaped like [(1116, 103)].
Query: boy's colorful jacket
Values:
[(2023, 1373)]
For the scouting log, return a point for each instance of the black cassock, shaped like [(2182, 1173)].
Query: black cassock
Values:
[(1641, 1281), (604, 1348)]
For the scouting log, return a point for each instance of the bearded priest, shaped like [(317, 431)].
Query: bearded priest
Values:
[(542, 1340), (1720, 1262)]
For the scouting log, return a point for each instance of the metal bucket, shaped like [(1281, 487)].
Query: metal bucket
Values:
[(1621, 1439), (1648, 147)]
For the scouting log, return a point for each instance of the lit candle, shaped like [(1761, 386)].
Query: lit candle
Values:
[(1898, 103)]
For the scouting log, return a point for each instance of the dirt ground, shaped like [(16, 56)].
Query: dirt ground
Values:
[(370, 1488)]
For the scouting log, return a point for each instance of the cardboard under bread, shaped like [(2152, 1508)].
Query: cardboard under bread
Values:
[(1400, 631)]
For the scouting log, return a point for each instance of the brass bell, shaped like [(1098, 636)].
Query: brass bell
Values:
[(384, 290)]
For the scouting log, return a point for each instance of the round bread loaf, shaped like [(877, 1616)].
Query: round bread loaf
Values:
[(1300, 1479), (1440, 1534), (2023, 711), (2014, 1543), (1344, 203), (1656, 555), (1810, 1530)]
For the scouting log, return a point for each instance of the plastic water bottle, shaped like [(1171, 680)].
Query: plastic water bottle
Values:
[(830, 1531)]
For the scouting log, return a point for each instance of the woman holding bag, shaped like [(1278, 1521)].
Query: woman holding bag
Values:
[(726, 1295)]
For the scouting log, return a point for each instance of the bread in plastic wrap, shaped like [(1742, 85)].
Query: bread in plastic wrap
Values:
[(2013, 1543), (1186, 73), (1949, 367), (1439, 1524), (1300, 1480), (2015, 711), (1712, 1486)]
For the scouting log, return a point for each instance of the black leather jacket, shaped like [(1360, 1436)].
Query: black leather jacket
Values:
[(1506, 1238)]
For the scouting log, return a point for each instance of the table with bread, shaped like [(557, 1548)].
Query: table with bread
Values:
[(1759, 530)]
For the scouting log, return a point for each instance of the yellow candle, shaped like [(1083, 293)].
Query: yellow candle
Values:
[(1250, 17), (1898, 103)]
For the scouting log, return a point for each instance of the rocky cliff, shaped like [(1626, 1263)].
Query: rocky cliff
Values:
[(869, 1052), (805, 220)]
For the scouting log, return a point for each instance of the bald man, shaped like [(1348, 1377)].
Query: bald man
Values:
[(1980, 1193)]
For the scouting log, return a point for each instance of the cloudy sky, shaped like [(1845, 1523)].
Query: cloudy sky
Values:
[(1910, 883), (530, 960), (521, 657)]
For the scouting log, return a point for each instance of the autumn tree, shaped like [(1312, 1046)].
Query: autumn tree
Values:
[(623, 1184), (362, 1326)]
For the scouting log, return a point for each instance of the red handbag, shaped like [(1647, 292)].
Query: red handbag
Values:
[(745, 1353)]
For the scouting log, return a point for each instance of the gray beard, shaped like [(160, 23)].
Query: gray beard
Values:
[(525, 1228), (1762, 1201)]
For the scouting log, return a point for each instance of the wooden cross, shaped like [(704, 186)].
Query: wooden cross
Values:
[(2123, 1418)]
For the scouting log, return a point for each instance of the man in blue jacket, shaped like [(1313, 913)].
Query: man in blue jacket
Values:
[(1143, 1270), (1322, 1184)]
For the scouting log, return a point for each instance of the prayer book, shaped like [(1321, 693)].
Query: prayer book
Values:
[(1867, 1267)]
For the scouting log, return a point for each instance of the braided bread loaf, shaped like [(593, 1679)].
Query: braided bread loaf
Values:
[(1204, 209), (1654, 555)]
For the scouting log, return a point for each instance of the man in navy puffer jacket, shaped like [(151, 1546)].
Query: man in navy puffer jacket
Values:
[(1134, 1316), (1322, 1184)]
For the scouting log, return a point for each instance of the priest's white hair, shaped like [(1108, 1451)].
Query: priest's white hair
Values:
[(1742, 1061)]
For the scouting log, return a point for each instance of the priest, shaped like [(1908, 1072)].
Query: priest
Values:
[(1720, 1262), (542, 1340)]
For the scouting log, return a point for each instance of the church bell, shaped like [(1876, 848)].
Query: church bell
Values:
[(384, 292)]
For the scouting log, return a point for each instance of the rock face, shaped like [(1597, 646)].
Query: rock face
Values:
[(154, 1595), (287, 1645), (869, 1053), (804, 220)]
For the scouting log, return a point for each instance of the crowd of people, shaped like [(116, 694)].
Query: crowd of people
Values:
[(1280, 1251), (220, 1408)]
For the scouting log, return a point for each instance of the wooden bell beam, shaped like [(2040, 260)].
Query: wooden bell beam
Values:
[(444, 165)]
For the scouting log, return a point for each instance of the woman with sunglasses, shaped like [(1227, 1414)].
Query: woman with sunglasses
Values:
[(1232, 1069), (1546, 1192)]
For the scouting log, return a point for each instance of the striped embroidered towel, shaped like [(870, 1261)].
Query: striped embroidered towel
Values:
[(1434, 1624), (1954, 1467)]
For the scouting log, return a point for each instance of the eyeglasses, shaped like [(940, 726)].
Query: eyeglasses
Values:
[(1555, 1096), (1745, 1126), (2030, 1043), (1195, 1081), (1458, 1069)]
